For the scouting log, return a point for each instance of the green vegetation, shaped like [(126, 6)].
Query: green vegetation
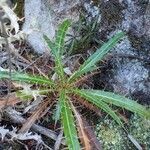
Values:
[(85, 35), (112, 136), (140, 129), (66, 92)]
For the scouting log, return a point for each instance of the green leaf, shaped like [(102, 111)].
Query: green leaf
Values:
[(97, 56), (60, 36), (119, 101), (68, 123), (58, 47), (99, 103), (57, 112), (16, 76)]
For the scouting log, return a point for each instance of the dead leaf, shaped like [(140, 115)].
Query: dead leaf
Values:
[(11, 101), (89, 105), (3, 132), (81, 130), (58, 141), (11, 16), (91, 135)]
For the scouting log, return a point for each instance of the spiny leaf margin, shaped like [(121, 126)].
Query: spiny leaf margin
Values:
[(16, 76), (89, 64), (68, 123), (118, 100), (100, 104), (60, 36), (57, 47)]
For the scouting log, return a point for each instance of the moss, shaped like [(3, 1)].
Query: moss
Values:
[(20, 8), (140, 129), (112, 136)]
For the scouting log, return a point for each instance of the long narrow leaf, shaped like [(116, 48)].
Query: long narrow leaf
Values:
[(58, 62), (58, 47), (60, 36), (81, 129), (97, 56), (68, 123), (16, 76), (57, 112), (99, 103), (118, 100)]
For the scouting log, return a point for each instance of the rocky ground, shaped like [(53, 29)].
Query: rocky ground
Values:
[(125, 71)]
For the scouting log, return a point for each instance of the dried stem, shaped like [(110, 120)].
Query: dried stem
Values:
[(9, 55), (14, 116)]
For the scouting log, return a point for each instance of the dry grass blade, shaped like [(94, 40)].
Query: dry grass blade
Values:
[(135, 142), (93, 140), (36, 115), (85, 78), (58, 141), (88, 105), (81, 130), (11, 101)]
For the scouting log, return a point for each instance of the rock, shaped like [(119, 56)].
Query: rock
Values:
[(8, 2), (91, 10), (43, 16), (128, 71), (38, 19), (136, 17), (147, 21), (131, 76)]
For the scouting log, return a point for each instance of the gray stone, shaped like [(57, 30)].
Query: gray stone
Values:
[(43, 16), (130, 75), (39, 21), (128, 71), (136, 17)]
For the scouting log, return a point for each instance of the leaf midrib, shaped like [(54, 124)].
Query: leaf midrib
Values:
[(68, 124)]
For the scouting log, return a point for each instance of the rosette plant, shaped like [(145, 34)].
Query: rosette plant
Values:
[(67, 93)]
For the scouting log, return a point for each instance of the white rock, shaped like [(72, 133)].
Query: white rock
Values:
[(43, 16), (38, 19)]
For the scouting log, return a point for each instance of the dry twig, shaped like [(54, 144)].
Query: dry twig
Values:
[(14, 116)]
